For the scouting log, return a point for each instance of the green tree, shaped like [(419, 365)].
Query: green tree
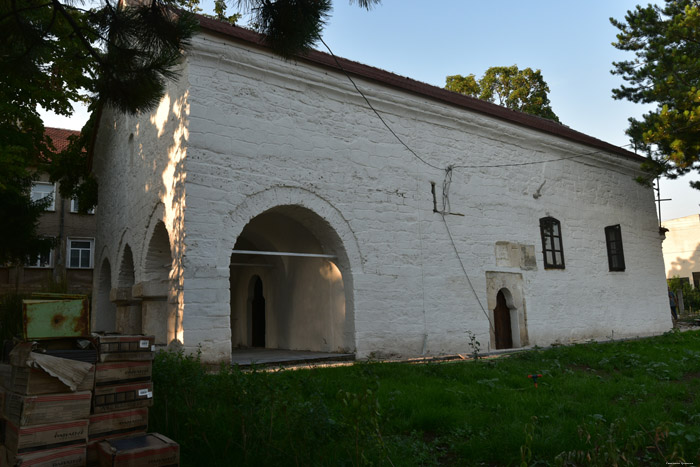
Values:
[(54, 53), (666, 72), (523, 90)]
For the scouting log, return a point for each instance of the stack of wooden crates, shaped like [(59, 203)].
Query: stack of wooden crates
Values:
[(45, 422), (123, 389), (68, 398)]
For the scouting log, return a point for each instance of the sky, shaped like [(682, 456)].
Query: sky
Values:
[(570, 42)]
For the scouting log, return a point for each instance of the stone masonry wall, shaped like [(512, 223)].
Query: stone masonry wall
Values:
[(261, 125), (263, 132)]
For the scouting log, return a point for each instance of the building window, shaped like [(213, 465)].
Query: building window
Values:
[(80, 252), (552, 248), (696, 280), (75, 208), (41, 190), (613, 239), (42, 260)]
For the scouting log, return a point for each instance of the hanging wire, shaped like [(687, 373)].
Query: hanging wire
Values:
[(448, 175), (464, 270), (337, 62), (446, 182), (518, 164)]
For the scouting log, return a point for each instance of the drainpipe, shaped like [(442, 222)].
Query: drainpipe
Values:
[(59, 270)]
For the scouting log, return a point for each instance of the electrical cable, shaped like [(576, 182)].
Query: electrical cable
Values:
[(337, 62), (448, 175), (471, 286)]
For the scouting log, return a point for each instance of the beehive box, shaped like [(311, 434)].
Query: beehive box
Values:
[(111, 373), (34, 381), (43, 409), (122, 397), (120, 347), (153, 449), (24, 439), (73, 456), (123, 423)]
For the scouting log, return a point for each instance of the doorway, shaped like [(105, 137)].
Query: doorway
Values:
[(502, 324)]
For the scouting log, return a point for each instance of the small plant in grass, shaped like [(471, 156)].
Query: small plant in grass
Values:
[(526, 448), (361, 413), (474, 345)]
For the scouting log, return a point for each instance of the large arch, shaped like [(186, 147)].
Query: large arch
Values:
[(308, 299), (128, 308), (159, 298)]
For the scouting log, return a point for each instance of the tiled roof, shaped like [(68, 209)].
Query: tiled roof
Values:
[(423, 89), (59, 137)]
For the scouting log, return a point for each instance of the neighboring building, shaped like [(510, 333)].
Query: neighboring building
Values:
[(682, 248), (264, 204), (68, 267)]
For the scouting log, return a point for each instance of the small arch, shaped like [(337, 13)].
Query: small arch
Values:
[(128, 309), (160, 313), (158, 261), (126, 269), (503, 328)]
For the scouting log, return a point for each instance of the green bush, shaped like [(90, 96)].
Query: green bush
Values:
[(11, 315)]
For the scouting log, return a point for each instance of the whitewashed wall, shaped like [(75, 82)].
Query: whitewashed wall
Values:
[(263, 132)]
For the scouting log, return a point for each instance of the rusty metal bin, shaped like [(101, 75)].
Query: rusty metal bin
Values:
[(50, 316)]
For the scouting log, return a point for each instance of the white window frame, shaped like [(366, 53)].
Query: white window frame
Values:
[(69, 251), (38, 264), (74, 207), (34, 193)]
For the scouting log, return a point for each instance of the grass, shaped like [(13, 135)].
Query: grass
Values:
[(621, 403)]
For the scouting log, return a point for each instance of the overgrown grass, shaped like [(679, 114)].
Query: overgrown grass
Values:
[(623, 403)]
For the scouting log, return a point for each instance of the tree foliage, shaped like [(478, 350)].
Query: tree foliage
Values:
[(54, 53), (522, 90), (666, 72)]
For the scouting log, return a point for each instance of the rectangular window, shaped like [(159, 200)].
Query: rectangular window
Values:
[(43, 260), (552, 246), (613, 240), (80, 252), (74, 207), (41, 190)]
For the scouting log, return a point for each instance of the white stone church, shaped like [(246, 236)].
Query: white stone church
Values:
[(265, 204)]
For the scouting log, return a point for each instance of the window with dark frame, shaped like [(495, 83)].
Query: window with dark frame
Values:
[(552, 247), (616, 255), (696, 280)]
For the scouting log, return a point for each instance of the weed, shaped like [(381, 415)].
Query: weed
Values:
[(474, 345)]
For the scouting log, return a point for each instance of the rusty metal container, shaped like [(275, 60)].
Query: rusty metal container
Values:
[(50, 316)]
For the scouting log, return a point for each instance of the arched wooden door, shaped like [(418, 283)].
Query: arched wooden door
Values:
[(501, 317)]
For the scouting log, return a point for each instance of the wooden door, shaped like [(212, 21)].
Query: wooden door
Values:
[(501, 317)]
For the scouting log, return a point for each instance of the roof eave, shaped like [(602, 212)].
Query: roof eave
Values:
[(416, 87)]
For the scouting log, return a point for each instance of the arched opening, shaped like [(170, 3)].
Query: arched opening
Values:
[(287, 288), (158, 258), (105, 315), (503, 328), (128, 307), (159, 310), (126, 269)]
